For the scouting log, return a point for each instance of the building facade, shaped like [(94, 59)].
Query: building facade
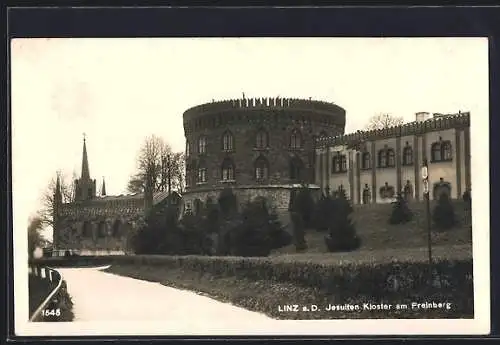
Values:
[(373, 166), (93, 224), (269, 147), (256, 146)]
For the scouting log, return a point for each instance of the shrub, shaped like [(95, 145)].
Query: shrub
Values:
[(252, 234), (211, 215), (302, 202), (443, 214), (159, 235), (299, 239), (401, 213), (322, 211), (279, 236), (342, 233)]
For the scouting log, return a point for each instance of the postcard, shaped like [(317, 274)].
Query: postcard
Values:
[(250, 186)]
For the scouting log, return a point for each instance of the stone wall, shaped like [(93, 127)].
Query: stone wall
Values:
[(278, 196)]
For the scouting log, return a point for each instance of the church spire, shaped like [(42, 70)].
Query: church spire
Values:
[(103, 191), (85, 162), (58, 192)]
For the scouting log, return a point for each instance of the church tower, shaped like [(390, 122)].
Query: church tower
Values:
[(85, 187), (55, 212)]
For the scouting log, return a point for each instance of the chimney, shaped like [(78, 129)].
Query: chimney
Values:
[(422, 116)]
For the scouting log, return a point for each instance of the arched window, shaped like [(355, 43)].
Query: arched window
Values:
[(261, 139), (101, 229), (188, 148), (408, 156), (382, 159), (295, 140), (436, 152), (261, 168), (188, 177), (227, 141), (446, 151), (366, 161), (198, 206), (87, 230), (386, 158), (296, 167), (202, 145), (202, 173), (227, 170), (117, 228), (339, 163), (391, 162)]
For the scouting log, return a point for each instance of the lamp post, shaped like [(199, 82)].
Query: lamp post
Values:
[(425, 179)]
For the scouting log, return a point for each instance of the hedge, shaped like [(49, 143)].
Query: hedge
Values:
[(334, 278)]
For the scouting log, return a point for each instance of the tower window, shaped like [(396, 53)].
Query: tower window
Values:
[(227, 170), (202, 175), (408, 156), (202, 145), (227, 141), (261, 168), (366, 161), (261, 139), (295, 140), (339, 163)]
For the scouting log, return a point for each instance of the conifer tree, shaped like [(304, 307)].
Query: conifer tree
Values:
[(444, 214), (342, 232), (401, 213)]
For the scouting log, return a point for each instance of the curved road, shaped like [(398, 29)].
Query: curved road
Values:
[(101, 296)]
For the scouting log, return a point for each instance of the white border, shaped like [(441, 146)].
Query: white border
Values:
[(479, 139)]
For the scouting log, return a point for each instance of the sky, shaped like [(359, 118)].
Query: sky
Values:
[(119, 91)]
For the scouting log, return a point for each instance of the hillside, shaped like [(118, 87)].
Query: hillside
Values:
[(376, 233)]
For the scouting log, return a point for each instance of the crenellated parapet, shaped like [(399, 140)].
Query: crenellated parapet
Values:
[(103, 207), (441, 123), (260, 103)]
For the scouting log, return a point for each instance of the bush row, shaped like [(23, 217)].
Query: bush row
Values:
[(404, 282)]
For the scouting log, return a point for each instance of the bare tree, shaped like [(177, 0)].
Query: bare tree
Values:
[(157, 161), (48, 202), (381, 121)]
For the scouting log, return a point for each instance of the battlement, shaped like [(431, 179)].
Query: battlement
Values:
[(260, 103), (437, 123)]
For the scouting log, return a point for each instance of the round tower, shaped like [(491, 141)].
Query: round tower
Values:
[(256, 146)]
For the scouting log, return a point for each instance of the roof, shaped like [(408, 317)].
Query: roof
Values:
[(157, 197)]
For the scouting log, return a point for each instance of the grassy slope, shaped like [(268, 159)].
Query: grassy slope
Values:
[(372, 226), (407, 241)]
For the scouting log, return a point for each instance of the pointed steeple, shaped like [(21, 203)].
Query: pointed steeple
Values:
[(85, 188), (58, 192), (85, 162), (103, 191)]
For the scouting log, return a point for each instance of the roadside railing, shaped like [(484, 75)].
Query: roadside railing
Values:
[(53, 281)]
